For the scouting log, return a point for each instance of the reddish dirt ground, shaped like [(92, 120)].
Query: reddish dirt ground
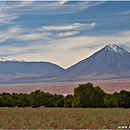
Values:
[(109, 86)]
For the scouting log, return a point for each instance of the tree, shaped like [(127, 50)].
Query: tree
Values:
[(124, 99), (110, 100), (58, 100), (98, 99), (87, 96), (35, 99), (83, 94), (68, 100), (7, 101), (76, 102), (39, 98)]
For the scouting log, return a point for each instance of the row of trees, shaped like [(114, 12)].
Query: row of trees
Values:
[(84, 96)]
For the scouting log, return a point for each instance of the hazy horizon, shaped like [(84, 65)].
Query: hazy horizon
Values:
[(62, 32)]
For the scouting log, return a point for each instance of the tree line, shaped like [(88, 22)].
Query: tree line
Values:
[(85, 95)]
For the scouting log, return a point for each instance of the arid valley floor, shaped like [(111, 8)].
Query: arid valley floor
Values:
[(109, 86)]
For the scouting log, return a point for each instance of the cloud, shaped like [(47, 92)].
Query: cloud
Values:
[(10, 33), (61, 7), (6, 18), (43, 33), (75, 26), (11, 11), (49, 32), (70, 33), (63, 2), (124, 12), (43, 36), (33, 36), (22, 4), (8, 10), (52, 7), (56, 7)]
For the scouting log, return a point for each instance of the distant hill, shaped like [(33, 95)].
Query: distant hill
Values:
[(20, 69), (29, 67)]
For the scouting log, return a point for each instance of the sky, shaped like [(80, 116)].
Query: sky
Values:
[(62, 32)]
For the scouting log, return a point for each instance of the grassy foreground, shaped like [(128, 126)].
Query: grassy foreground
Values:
[(63, 118)]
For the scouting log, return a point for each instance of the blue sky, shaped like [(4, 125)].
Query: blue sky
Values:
[(62, 32)]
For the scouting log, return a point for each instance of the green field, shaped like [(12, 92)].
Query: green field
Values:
[(63, 118)]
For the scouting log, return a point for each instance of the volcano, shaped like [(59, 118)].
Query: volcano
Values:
[(110, 62)]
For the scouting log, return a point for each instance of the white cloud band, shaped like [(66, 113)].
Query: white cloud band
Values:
[(75, 26), (70, 33)]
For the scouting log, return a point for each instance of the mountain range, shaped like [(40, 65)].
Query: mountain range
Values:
[(110, 62)]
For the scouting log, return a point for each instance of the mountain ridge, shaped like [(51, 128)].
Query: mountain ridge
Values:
[(110, 62)]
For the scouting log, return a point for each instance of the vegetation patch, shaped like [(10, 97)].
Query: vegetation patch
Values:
[(63, 118)]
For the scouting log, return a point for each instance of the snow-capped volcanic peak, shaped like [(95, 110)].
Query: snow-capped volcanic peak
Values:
[(3, 59), (115, 48)]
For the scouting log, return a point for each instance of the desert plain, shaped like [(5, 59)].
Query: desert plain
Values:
[(109, 86)]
